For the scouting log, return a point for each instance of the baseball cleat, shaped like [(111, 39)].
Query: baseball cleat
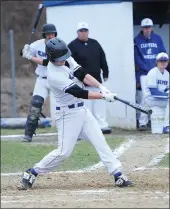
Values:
[(27, 138), (122, 181), (143, 128), (166, 130), (27, 180), (107, 130)]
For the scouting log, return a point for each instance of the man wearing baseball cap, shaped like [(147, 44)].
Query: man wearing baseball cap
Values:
[(147, 45), (88, 53), (157, 91)]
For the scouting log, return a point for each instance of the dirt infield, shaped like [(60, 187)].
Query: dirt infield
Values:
[(82, 190)]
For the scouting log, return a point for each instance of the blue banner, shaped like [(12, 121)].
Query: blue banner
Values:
[(76, 2)]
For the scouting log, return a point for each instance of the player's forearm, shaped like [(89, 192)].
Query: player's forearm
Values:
[(37, 60), (90, 81), (40, 61), (94, 95)]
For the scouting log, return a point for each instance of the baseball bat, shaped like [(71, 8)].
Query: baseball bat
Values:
[(36, 20), (135, 106)]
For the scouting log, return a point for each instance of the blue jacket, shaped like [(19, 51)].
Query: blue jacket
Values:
[(146, 50)]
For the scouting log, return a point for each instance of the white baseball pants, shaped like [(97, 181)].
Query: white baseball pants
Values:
[(142, 117), (163, 103), (71, 123)]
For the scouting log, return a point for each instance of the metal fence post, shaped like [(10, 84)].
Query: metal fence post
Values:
[(11, 35)]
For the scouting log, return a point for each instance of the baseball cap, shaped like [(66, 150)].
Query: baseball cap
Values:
[(82, 25), (146, 22), (162, 56)]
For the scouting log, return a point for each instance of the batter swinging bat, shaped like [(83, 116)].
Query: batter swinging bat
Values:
[(135, 106), (36, 20)]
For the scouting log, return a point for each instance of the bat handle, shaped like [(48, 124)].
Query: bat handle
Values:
[(32, 33)]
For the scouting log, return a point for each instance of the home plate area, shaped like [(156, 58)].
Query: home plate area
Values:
[(88, 190)]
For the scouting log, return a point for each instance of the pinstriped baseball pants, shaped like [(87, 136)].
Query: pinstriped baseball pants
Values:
[(71, 124)]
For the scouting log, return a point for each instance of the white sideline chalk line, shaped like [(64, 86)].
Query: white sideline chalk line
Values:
[(159, 157), (12, 137), (156, 159), (117, 152)]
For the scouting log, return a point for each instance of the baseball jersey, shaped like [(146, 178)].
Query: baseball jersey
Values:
[(37, 49), (156, 79), (60, 78)]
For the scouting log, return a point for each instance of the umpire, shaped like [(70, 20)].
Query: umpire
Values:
[(89, 54)]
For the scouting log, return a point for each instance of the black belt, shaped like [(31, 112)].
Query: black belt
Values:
[(72, 106), (42, 77)]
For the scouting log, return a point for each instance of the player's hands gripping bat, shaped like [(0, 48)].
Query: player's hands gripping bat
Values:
[(26, 52), (135, 106), (109, 97), (36, 20), (103, 89)]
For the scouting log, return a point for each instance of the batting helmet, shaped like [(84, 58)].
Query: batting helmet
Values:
[(48, 28), (57, 50)]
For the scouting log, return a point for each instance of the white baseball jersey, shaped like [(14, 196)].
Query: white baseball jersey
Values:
[(37, 49), (156, 79), (60, 78), (73, 123)]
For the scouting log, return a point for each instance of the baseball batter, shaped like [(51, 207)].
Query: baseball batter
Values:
[(36, 53), (157, 88), (73, 119)]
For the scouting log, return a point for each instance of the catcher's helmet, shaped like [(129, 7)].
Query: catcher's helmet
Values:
[(57, 50), (48, 28)]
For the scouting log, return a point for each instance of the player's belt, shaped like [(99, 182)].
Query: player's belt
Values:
[(72, 106)]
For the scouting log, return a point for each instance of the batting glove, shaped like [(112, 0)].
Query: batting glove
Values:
[(103, 89), (26, 48), (26, 52), (109, 97), (27, 55)]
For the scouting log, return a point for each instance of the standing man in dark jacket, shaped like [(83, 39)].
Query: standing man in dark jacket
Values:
[(147, 45), (89, 54)]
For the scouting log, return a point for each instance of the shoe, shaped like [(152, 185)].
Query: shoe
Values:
[(27, 179), (143, 128), (166, 130), (121, 180), (107, 130), (27, 138)]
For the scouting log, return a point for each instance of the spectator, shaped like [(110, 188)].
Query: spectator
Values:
[(157, 88), (147, 45), (168, 67), (89, 54)]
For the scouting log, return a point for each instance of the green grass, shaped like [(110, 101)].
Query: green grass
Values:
[(21, 131), (17, 156), (165, 161)]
